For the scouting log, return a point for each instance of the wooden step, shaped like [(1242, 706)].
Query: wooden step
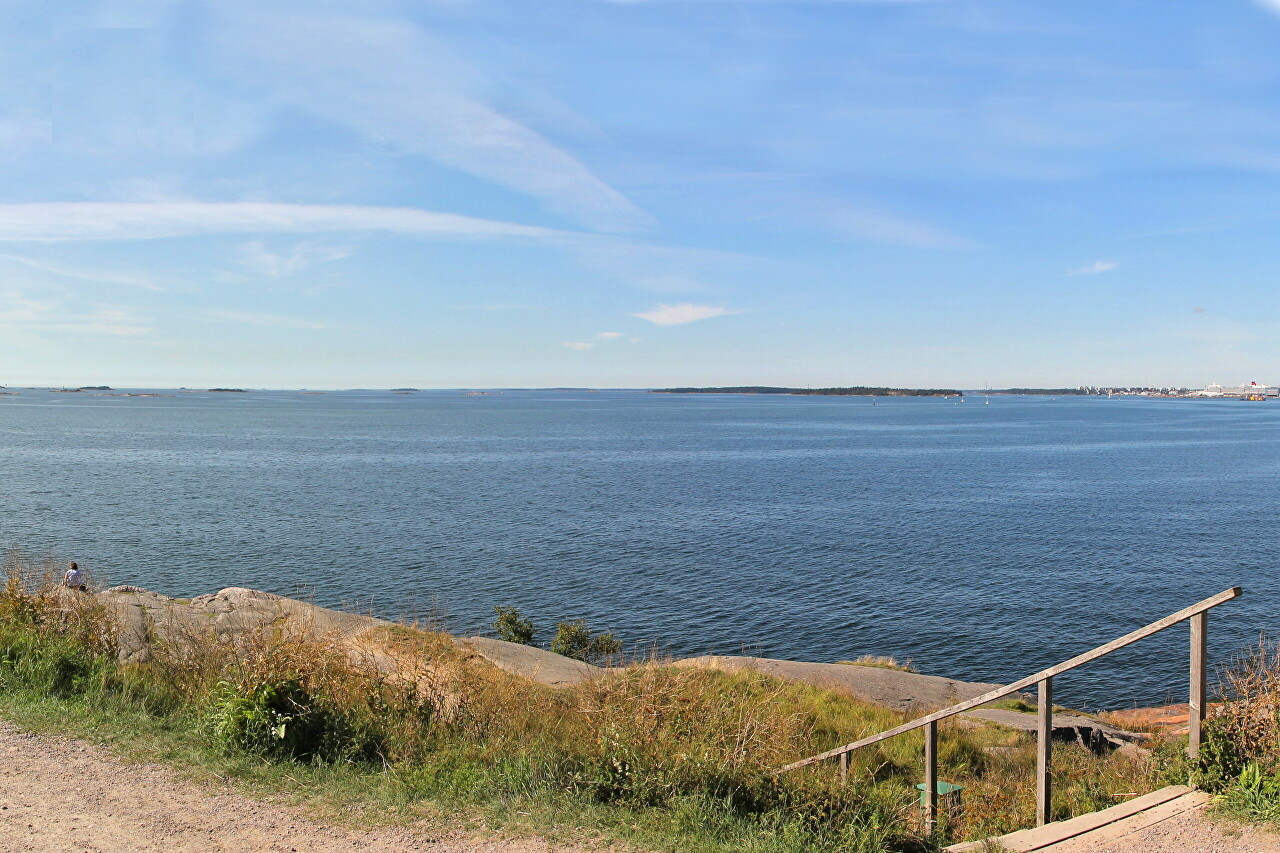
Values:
[(1122, 829), (1026, 840)]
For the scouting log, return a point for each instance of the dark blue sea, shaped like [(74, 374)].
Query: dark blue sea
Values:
[(980, 541)]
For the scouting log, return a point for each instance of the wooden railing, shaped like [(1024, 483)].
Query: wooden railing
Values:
[(1197, 613)]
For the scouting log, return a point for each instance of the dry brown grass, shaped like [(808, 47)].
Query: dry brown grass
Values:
[(882, 662), (1250, 718), (34, 597), (647, 735)]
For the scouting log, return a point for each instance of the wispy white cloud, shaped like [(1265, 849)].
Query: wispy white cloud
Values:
[(272, 321), (658, 269), (684, 312), (583, 346), (881, 226), (19, 308), (497, 307), (56, 221), (22, 312), (808, 2), (257, 258), (1094, 268), (396, 84), (80, 274)]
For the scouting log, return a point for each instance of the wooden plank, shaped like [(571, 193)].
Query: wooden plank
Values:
[(1147, 818), (844, 768), (1027, 840), (1023, 683), (1199, 636), (1044, 754), (930, 776)]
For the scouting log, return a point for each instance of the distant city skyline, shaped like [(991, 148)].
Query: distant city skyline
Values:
[(638, 193)]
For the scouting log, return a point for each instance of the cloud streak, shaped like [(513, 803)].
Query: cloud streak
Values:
[(257, 258), (97, 276), (62, 221), (807, 2), (880, 226), (681, 313), (399, 86), (1094, 268), (270, 321), (22, 312)]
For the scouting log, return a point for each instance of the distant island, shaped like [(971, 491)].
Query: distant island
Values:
[(853, 391), (229, 390)]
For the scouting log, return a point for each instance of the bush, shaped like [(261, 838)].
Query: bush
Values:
[(1240, 755), (512, 627), (284, 720), (574, 640)]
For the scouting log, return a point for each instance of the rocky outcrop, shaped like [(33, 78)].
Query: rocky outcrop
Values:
[(1086, 731), (907, 692), (147, 618), (531, 662)]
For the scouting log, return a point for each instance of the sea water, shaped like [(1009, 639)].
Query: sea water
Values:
[(980, 541)]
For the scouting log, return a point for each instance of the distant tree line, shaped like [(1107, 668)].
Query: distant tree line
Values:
[(1052, 392), (852, 391)]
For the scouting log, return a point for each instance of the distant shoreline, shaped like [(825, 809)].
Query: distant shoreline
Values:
[(852, 391)]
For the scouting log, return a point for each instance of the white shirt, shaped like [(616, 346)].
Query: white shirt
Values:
[(72, 578)]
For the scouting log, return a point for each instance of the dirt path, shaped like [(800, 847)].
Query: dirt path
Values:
[(67, 796)]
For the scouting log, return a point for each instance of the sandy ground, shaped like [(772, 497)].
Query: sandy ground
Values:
[(67, 796)]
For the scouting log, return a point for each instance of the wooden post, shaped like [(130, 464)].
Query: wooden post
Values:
[(1199, 684), (1044, 754), (844, 768), (931, 775)]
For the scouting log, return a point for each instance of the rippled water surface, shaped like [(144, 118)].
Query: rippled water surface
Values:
[(982, 541)]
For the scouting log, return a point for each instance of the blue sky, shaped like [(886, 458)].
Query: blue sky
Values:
[(454, 193)]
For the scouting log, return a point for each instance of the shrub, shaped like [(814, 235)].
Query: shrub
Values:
[(1240, 755), (574, 640), (284, 720), (512, 627)]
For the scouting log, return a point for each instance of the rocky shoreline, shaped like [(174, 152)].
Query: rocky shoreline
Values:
[(145, 619)]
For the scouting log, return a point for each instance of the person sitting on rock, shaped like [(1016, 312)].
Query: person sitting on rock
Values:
[(74, 579)]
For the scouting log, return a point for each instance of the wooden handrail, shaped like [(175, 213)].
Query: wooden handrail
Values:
[(1042, 675)]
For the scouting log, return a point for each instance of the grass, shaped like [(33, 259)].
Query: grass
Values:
[(881, 662), (662, 757)]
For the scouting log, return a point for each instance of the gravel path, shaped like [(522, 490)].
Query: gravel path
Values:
[(1189, 832), (59, 795)]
